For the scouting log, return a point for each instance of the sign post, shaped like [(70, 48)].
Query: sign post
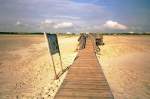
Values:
[(60, 62), (53, 48)]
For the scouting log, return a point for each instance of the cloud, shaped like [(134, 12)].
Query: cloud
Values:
[(67, 17), (85, 15), (21, 24), (115, 25), (47, 23), (51, 15), (63, 25), (55, 24), (18, 23)]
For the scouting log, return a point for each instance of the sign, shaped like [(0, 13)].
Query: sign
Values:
[(53, 43), (53, 48)]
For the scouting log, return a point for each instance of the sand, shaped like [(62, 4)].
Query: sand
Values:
[(126, 64), (26, 69)]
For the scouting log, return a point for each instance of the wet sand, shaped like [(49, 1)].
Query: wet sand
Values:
[(25, 67), (126, 64)]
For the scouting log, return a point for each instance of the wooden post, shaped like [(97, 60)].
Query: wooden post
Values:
[(56, 77), (60, 58), (60, 61)]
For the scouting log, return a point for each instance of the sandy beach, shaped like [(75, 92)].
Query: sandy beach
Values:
[(25, 67), (126, 63)]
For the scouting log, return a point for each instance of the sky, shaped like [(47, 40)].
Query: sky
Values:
[(74, 15)]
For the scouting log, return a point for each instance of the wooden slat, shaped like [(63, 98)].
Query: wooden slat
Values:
[(85, 78)]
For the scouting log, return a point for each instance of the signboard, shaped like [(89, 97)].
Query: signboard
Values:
[(53, 43), (53, 48)]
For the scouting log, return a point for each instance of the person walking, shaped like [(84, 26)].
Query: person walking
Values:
[(82, 41)]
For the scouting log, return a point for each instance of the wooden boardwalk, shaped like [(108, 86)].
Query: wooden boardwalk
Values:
[(85, 78)]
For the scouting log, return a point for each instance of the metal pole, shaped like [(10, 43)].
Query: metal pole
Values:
[(56, 77)]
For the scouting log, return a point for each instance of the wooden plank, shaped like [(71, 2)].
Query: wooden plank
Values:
[(85, 78)]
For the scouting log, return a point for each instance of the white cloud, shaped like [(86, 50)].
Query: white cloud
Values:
[(115, 25), (47, 23), (59, 14), (21, 24), (68, 17), (63, 25), (55, 24), (18, 23)]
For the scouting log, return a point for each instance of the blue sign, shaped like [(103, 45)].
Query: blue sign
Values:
[(53, 43)]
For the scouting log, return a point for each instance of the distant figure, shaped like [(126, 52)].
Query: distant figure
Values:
[(82, 41), (99, 40)]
